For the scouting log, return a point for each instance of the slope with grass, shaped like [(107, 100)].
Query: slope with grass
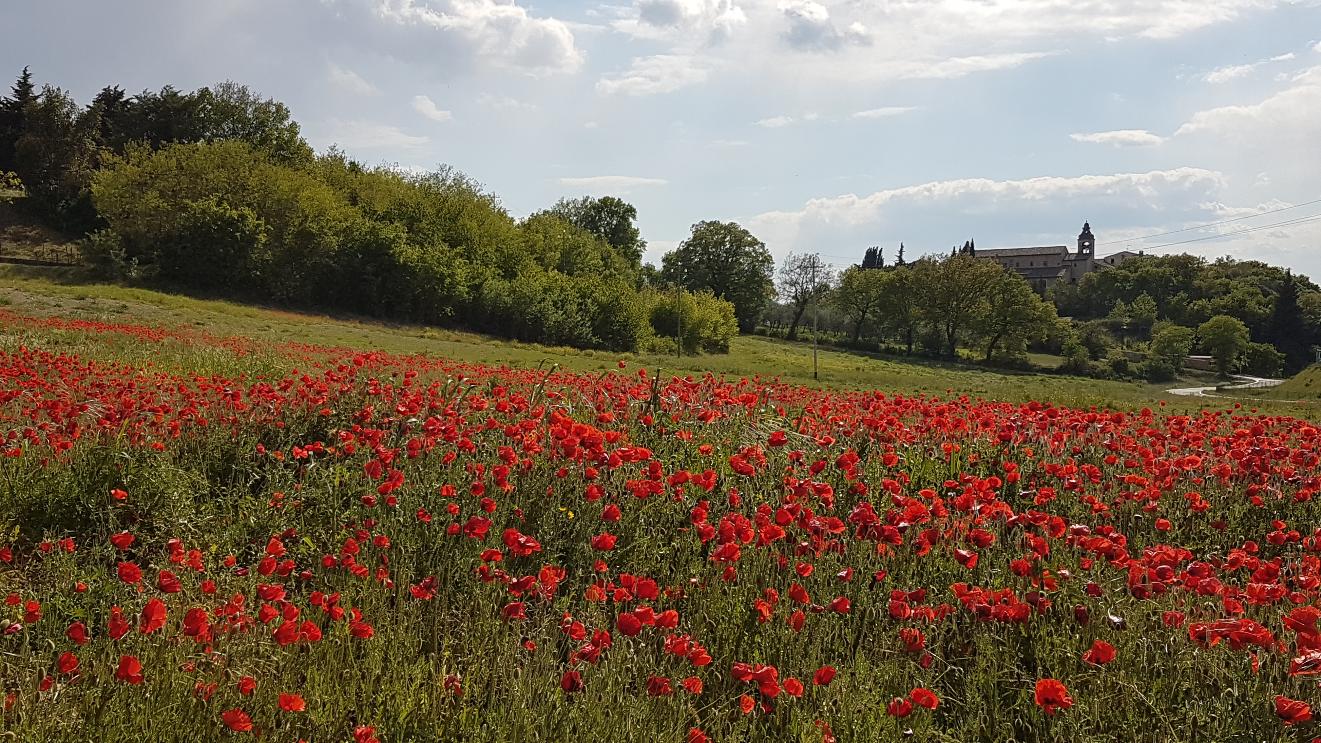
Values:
[(64, 293)]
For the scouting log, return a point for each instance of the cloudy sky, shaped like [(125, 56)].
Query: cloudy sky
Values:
[(822, 125)]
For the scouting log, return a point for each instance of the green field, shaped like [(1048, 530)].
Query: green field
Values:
[(49, 292)]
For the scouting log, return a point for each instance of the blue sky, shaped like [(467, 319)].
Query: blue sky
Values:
[(821, 125)]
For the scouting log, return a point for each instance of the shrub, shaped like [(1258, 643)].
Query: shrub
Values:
[(1263, 360), (708, 323)]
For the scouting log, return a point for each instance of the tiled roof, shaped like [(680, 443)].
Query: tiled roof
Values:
[(1022, 252)]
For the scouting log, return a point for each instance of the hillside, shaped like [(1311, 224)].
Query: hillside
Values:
[(1306, 385), (25, 240), (57, 292)]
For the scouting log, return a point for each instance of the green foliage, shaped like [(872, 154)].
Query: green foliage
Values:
[(1225, 338), (1170, 346), (860, 296), (610, 220), (1189, 291), (55, 157), (1263, 360), (432, 248), (954, 293), (707, 322), (1013, 316), (728, 261)]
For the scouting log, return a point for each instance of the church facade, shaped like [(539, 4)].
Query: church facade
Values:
[(1043, 266)]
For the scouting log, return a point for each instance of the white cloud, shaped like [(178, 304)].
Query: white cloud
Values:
[(611, 183), (1317, 47), (663, 73), (776, 122), (429, 109), (711, 21), (445, 32), (810, 28), (956, 67), (1120, 138), (355, 135), (350, 81), (504, 103), (1010, 205), (884, 112), (1235, 72), (1293, 113)]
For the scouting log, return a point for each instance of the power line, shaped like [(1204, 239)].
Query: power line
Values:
[(1300, 220), (1212, 224)]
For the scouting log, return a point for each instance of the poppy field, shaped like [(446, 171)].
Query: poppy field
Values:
[(214, 538)]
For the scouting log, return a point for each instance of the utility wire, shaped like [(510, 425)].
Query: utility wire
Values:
[(1212, 224), (1300, 220)]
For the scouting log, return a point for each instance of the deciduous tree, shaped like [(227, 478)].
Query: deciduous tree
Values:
[(727, 260)]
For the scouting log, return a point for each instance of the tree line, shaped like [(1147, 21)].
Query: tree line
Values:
[(216, 191)]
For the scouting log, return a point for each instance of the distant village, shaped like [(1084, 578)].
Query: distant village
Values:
[(1040, 266)]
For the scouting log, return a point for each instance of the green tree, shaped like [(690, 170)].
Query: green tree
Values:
[(12, 118), (1287, 329), (1172, 344), (859, 296), (1225, 338), (804, 279), (727, 260), (1263, 360), (1142, 314), (1014, 315), (954, 294), (55, 158), (901, 305), (232, 111), (610, 219)]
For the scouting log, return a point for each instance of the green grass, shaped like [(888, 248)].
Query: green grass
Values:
[(46, 292)]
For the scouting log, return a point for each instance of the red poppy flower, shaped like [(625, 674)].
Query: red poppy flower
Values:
[(67, 663), (122, 541), (1292, 711), (1100, 653), (571, 682), (793, 687), (1051, 695), (746, 704), (77, 633), (129, 573), (659, 686), (924, 697), (692, 685), (629, 625), (236, 720), (899, 707), (153, 617), (823, 676), (129, 670), (292, 703)]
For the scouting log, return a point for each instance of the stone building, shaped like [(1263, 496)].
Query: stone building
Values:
[(1045, 265)]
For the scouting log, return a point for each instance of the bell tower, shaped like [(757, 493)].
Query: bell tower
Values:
[(1086, 242)]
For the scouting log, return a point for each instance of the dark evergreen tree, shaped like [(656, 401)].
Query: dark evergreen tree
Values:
[(12, 118), (900, 260), (1288, 330)]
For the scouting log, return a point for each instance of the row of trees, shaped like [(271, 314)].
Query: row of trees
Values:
[(1278, 308), (216, 191), (940, 304)]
